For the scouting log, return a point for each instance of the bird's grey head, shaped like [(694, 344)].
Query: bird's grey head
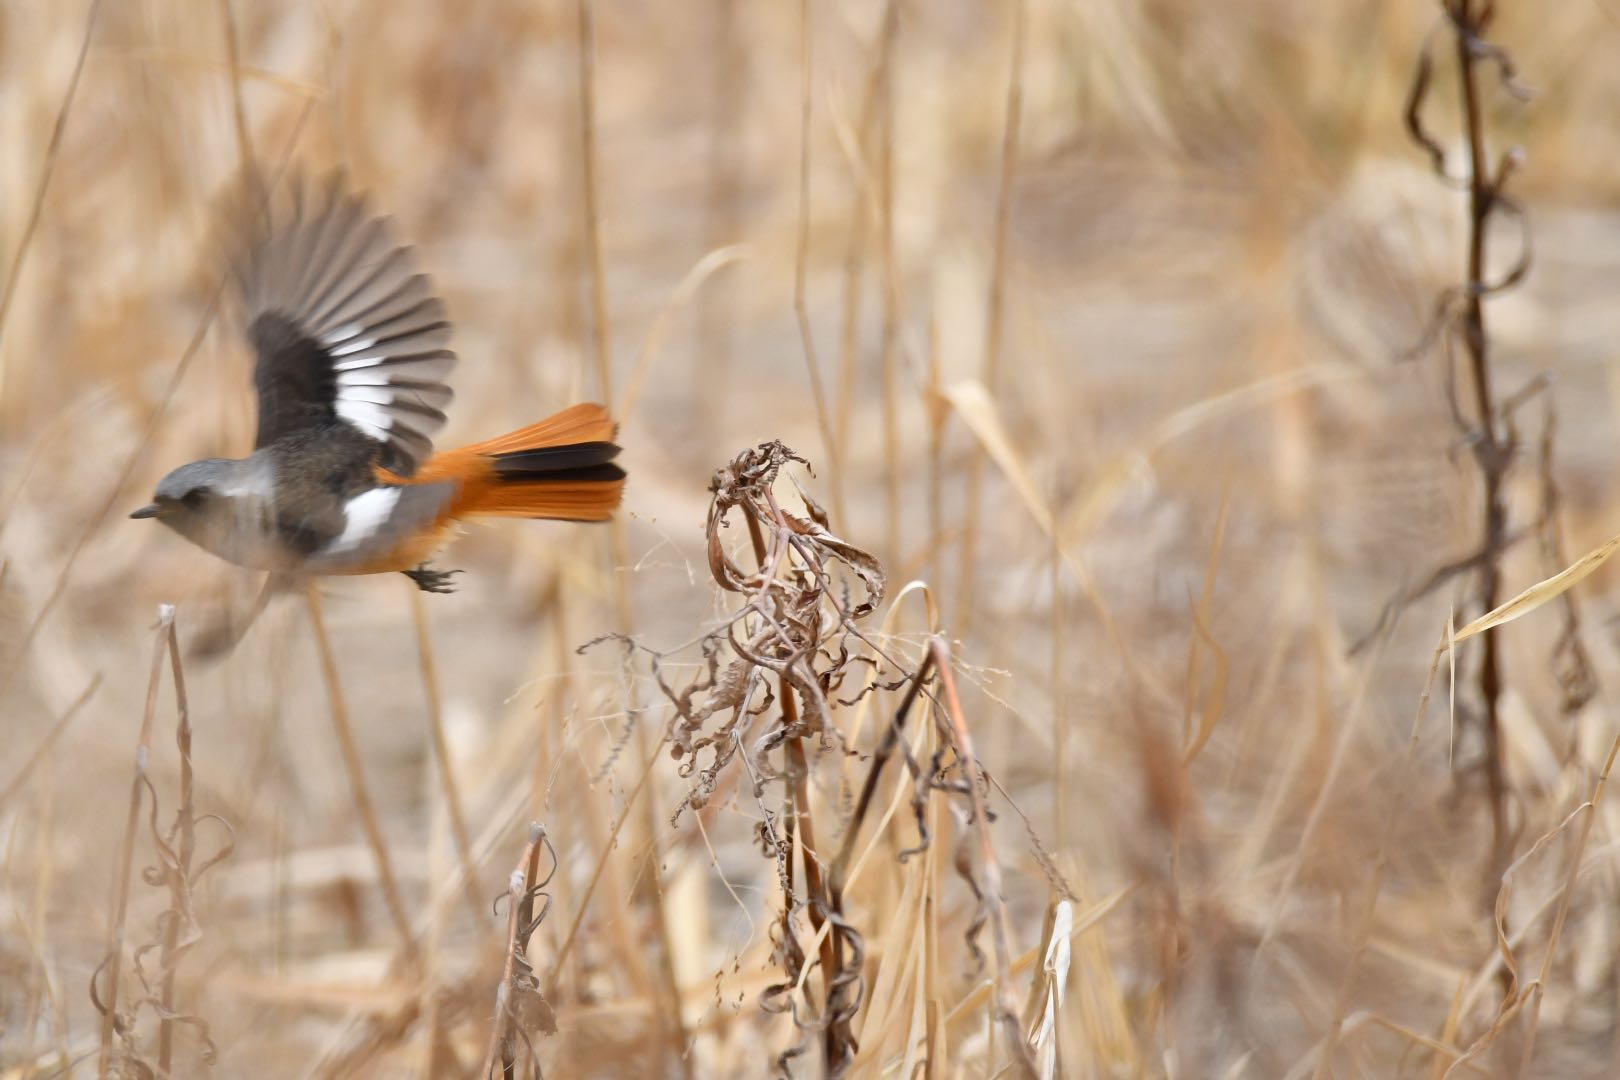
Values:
[(189, 490)]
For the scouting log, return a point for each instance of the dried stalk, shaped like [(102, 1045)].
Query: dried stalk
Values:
[(357, 778), (1489, 451), (586, 11), (441, 755), (47, 170), (114, 962), (1461, 316), (801, 258), (989, 866), (519, 1005), (185, 828), (995, 302), (889, 360)]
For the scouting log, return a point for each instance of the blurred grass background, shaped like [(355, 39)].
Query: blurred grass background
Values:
[(1220, 247)]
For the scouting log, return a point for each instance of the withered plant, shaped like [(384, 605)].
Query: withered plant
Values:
[(1485, 419), (178, 870), (776, 679), (521, 1010)]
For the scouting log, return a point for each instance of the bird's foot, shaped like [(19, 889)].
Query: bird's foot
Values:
[(433, 581)]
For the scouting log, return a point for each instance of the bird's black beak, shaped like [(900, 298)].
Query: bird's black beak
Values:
[(148, 511)]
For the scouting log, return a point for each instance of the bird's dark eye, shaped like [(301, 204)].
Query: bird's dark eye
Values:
[(194, 498)]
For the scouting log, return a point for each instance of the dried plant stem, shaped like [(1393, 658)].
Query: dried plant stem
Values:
[(722, 191), (601, 863), (989, 866), (939, 411), (850, 334), (45, 998), (801, 259), (836, 1035), (244, 138), (434, 1044), (52, 151), (889, 359), (1490, 451), (564, 695), (441, 755), (1060, 696), (126, 852), (600, 334), (1538, 990), (1392, 815), (185, 827), (357, 778), (620, 542), (861, 209), (995, 304), (863, 802), (820, 895), (503, 1036)]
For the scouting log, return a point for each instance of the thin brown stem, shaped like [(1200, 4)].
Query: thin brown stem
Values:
[(1490, 451), (441, 755), (357, 777), (863, 802), (989, 866)]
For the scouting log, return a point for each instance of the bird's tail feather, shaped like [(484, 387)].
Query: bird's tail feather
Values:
[(561, 468)]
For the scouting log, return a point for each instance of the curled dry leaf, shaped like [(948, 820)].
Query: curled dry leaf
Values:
[(862, 562)]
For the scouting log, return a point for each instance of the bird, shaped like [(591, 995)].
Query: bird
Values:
[(351, 362)]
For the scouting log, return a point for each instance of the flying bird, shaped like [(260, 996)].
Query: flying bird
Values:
[(351, 366)]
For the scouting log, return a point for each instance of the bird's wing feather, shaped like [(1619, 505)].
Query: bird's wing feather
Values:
[(344, 327)]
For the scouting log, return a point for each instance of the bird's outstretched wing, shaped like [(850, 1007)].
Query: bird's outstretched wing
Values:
[(345, 327)]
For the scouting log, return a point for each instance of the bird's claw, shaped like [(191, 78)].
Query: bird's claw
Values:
[(433, 581)]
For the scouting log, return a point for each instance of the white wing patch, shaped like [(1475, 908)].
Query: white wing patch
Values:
[(338, 274), (364, 517)]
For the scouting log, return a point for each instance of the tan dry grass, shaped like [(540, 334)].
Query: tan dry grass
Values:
[(1197, 263)]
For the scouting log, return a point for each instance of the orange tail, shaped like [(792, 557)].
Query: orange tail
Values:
[(561, 468)]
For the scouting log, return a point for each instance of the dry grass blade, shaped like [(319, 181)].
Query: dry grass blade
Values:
[(1048, 989), (1542, 591)]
